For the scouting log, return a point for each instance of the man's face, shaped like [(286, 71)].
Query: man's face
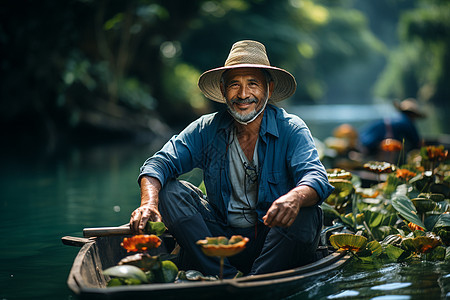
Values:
[(245, 91)]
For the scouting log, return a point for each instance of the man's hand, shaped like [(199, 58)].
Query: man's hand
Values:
[(141, 215), (148, 211), (284, 210)]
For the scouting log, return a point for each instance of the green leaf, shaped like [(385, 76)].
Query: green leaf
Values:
[(115, 282), (393, 252), (373, 218), (406, 209), (437, 253), (375, 247), (443, 221), (156, 228)]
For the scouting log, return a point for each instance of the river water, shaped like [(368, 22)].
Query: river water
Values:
[(43, 198)]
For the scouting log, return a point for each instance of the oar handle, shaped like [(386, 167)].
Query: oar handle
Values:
[(107, 231)]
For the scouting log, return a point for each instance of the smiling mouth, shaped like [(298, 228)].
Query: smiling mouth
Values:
[(243, 104)]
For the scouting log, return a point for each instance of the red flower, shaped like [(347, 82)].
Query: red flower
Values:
[(141, 242)]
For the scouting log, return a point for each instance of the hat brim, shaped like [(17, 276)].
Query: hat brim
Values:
[(284, 82), (414, 111)]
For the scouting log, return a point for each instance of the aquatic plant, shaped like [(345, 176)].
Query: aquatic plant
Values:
[(142, 267), (347, 241), (341, 197), (222, 247), (141, 242), (405, 217)]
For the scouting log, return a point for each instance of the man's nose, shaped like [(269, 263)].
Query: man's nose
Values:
[(243, 92)]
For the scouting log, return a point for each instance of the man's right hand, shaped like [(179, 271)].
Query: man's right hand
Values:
[(148, 211), (141, 215)]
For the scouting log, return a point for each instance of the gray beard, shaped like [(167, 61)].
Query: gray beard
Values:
[(245, 119)]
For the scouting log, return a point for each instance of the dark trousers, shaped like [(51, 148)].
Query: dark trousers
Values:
[(189, 217)]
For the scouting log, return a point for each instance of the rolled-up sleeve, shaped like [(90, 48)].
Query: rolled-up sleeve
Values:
[(179, 155), (305, 165)]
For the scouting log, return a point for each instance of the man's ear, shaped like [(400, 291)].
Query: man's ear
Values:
[(270, 88), (222, 89)]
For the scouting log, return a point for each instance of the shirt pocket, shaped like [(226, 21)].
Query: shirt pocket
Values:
[(273, 181)]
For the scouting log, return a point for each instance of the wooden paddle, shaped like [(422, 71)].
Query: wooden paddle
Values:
[(107, 231)]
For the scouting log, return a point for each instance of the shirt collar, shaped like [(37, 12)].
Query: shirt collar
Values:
[(269, 124)]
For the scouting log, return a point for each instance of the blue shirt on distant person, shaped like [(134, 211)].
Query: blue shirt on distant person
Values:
[(399, 128), (287, 157)]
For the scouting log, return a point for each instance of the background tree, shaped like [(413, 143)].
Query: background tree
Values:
[(420, 66), (86, 71)]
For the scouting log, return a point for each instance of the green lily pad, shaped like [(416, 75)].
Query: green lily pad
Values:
[(432, 196), (341, 196), (348, 241), (423, 205), (406, 209)]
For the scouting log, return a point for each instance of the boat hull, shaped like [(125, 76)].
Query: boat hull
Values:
[(87, 281)]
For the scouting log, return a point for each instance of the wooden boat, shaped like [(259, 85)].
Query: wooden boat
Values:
[(98, 253)]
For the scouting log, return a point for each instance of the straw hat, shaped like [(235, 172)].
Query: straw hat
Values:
[(410, 105), (248, 54)]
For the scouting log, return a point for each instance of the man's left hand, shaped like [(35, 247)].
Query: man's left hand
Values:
[(284, 210)]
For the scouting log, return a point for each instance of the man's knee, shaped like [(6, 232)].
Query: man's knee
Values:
[(307, 225), (175, 201)]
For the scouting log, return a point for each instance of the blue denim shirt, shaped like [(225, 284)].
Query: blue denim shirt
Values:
[(286, 153)]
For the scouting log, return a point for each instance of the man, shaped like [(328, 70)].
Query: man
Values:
[(261, 170), (400, 127)]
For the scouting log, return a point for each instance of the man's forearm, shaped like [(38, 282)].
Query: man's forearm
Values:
[(305, 195), (150, 187)]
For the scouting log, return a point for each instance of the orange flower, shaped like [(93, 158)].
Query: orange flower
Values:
[(141, 242), (391, 145), (221, 246), (436, 153), (414, 227), (405, 174)]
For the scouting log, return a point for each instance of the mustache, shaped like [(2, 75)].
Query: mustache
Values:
[(244, 101)]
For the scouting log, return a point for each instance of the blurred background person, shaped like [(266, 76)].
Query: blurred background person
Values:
[(400, 128)]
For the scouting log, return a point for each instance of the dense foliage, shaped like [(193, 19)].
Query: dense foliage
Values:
[(115, 67), (401, 218)]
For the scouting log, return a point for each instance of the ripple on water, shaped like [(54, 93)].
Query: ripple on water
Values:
[(392, 297), (391, 286), (344, 294)]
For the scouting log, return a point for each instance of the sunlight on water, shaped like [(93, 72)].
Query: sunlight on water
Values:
[(344, 294), (391, 286)]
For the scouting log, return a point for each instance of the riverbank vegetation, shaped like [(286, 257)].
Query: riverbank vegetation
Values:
[(403, 218), (85, 71)]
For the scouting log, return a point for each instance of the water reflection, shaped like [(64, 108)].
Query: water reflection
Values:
[(391, 281), (43, 199)]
